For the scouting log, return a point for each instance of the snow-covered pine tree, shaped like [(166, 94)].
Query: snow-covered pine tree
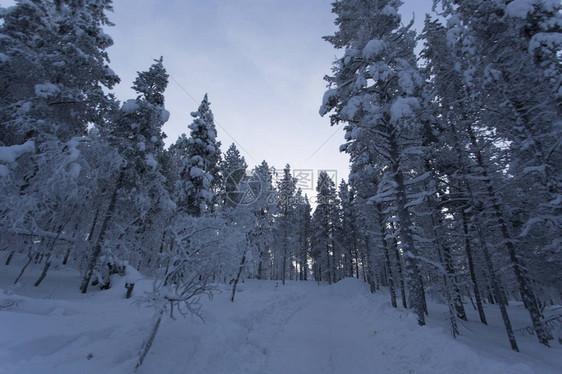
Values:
[(54, 69), (454, 162), (376, 89), (372, 242), (200, 170), (262, 236), (326, 223), (303, 234), (348, 237), (233, 170), (539, 23), (285, 237), (140, 203), (521, 110)]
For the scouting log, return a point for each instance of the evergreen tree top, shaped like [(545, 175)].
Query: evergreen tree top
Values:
[(151, 84)]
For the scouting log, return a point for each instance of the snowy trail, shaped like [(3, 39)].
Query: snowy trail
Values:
[(298, 328), (321, 338), (345, 329)]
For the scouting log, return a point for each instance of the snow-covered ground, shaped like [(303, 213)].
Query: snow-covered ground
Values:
[(297, 328)]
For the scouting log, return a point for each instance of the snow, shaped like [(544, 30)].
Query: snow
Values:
[(73, 151), (11, 153), (520, 8), (130, 106), (151, 161), (373, 48), (380, 71), (389, 10), (405, 82), (469, 76), (299, 328), (328, 97), (46, 90), (164, 115), (110, 72), (4, 171), (539, 169), (352, 106), (74, 170), (549, 40), (403, 107), (196, 172)]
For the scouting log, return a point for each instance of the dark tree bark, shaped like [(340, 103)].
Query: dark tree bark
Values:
[(468, 249), (237, 279), (148, 343), (527, 293), (388, 264), (417, 296), (99, 241)]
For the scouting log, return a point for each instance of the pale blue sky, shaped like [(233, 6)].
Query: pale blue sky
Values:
[(261, 62)]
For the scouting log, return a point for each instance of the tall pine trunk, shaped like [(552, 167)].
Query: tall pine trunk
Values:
[(468, 249), (237, 279), (527, 293), (398, 259), (406, 236), (101, 237), (388, 264)]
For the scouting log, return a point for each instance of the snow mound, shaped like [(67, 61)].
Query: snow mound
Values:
[(403, 107), (373, 48), (46, 90), (11, 153)]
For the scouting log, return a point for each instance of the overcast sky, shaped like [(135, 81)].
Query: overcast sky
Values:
[(262, 63)]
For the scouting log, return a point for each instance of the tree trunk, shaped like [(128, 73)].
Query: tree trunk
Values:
[(240, 268), (468, 249), (48, 261), (44, 272), (527, 294), (148, 343), (10, 256), (497, 290), (369, 267), (30, 258), (99, 241), (400, 274), (388, 264), (406, 237), (488, 261)]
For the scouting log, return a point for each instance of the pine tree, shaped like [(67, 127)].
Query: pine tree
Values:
[(520, 110), (303, 235), (234, 175), (54, 68), (199, 173), (376, 91), (262, 235), (54, 72), (325, 223), (348, 236), (285, 222), (137, 134)]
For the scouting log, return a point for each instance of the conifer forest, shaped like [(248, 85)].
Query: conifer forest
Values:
[(439, 251)]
